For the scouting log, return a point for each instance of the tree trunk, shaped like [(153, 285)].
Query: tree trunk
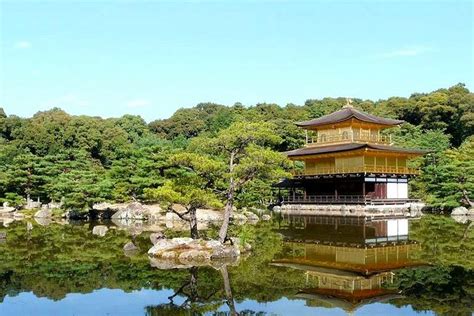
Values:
[(466, 199), (230, 202), (225, 223), (193, 223), (228, 291)]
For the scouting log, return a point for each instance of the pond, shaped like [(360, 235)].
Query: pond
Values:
[(298, 266)]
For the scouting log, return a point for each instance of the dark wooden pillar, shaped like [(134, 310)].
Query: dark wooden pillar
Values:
[(363, 187)]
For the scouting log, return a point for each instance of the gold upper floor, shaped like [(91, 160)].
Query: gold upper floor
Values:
[(348, 132)]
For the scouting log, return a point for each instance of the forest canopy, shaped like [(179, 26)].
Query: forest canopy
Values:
[(83, 159)]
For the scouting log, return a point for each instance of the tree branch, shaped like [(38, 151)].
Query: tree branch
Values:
[(180, 215)]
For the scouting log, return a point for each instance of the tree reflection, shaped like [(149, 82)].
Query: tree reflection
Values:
[(196, 299)]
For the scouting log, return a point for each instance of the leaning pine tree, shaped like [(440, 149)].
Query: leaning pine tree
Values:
[(245, 150), (190, 185)]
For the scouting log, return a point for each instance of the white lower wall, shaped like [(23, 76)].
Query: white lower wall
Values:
[(392, 189), (402, 190), (397, 190)]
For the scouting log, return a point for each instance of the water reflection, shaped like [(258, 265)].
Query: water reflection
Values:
[(348, 262), (299, 265)]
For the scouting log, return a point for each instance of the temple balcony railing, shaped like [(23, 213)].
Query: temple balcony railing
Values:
[(349, 137), (342, 199), (358, 169)]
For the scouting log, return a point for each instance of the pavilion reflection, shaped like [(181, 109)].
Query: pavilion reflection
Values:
[(348, 262)]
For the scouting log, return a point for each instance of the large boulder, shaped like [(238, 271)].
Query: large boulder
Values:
[(7, 221), (164, 245), (43, 213), (187, 251), (100, 230), (18, 215), (202, 215), (130, 246), (43, 221), (208, 215), (462, 219), (266, 217), (133, 210), (277, 209), (238, 217), (155, 212), (5, 209), (252, 217), (104, 206), (461, 210)]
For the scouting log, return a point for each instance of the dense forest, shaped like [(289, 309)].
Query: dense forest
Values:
[(80, 160)]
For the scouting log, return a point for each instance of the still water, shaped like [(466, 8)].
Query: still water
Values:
[(299, 266)]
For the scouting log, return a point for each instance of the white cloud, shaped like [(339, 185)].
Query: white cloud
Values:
[(23, 44), (407, 52), (138, 103)]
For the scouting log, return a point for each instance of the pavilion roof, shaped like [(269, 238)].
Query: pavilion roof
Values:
[(306, 151), (347, 113)]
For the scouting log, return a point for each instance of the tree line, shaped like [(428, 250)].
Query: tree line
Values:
[(213, 154)]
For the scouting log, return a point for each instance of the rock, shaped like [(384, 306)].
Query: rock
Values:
[(277, 209), (461, 210), (266, 217), (259, 211), (251, 216), (155, 212), (43, 213), (170, 217), (43, 221), (7, 221), (194, 255), (227, 251), (237, 217), (133, 210), (188, 251), (154, 237), (100, 230), (130, 246), (208, 215), (29, 226), (202, 215), (163, 245), (3, 235), (18, 215), (6, 209), (462, 219)]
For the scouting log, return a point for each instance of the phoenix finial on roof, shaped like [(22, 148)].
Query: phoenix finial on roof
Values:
[(348, 103)]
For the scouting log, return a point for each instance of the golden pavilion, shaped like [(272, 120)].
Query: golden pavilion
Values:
[(348, 159)]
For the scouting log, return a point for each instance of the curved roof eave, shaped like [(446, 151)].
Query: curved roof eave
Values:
[(348, 113)]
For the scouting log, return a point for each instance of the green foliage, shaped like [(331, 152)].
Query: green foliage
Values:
[(444, 290), (449, 179), (121, 158), (444, 242), (13, 200)]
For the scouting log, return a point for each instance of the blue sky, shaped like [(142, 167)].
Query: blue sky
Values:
[(150, 58)]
